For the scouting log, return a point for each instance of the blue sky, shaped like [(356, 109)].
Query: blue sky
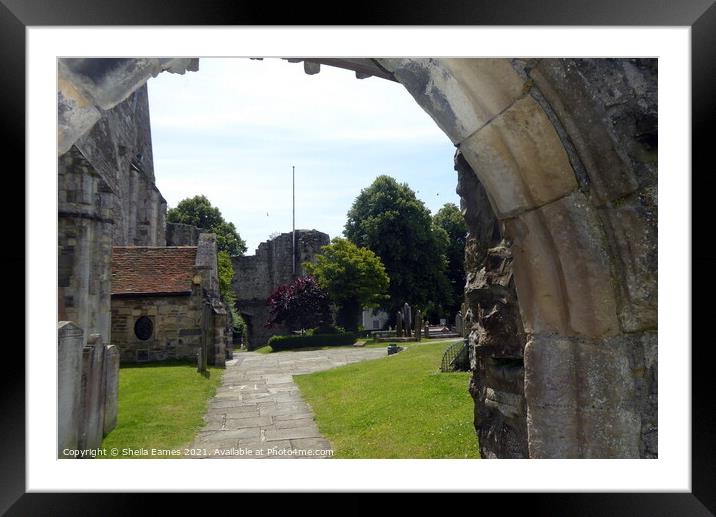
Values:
[(232, 131)]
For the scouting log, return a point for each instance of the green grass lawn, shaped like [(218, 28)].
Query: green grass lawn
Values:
[(161, 405), (400, 406)]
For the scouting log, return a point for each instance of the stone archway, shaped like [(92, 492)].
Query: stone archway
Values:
[(566, 152)]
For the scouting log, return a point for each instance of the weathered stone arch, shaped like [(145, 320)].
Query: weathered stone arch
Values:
[(566, 151)]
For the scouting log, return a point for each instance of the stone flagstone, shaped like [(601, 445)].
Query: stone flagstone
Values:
[(258, 411)]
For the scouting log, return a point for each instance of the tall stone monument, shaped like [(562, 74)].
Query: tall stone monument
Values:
[(407, 319), (418, 324)]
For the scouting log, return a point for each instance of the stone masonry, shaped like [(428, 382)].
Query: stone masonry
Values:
[(257, 276), (496, 336), (175, 289), (179, 234)]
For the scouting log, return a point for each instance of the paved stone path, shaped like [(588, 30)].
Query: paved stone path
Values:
[(258, 411)]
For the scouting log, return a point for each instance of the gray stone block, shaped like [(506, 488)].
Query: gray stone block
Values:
[(111, 387), (92, 397), (69, 380)]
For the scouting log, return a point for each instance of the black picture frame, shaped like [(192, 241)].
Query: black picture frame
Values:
[(700, 15)]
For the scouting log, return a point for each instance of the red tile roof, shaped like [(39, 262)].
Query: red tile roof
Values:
[(151, 270)]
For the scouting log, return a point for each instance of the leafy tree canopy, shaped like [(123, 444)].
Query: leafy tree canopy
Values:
[(198, 211), (390, 220), (450, 221), (354, 278)]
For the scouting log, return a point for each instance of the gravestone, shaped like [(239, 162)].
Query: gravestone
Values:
[(201, 360), (418, 324), (92, 394), (399, 324), (69, 380), (111, 387), (407, 319), (458, 323), (427, 329)]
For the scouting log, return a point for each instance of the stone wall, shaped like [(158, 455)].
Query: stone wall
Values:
[(177, 322), (182, 323), (119, 147), (178, 234), (106, 197), (583, 250), (257, 276), (85, 221), (496, 337)]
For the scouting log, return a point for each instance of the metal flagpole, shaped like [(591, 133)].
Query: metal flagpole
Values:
[(293, 178)]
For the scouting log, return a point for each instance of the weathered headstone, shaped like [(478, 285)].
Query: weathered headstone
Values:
[(418, 324), (201, 361), (458, 323), (407, 319), (427, 329), (69, 381), (399, 324), (111, 387), (92, 394)]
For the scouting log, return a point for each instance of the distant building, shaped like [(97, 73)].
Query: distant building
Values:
[(257, 276), (166, 303), (374, 319)]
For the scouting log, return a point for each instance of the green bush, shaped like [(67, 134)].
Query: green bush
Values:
[(327, 329), (290, 342)]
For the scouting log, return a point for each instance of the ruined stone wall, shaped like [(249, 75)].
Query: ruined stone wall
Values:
[(496, 337), (85, 221), (216, 329), (178, 234), (257, 276), (177, 324), (119, 147), (587, 384), (606, 114), (106, 197), (207, 265)]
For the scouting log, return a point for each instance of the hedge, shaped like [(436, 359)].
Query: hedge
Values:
[(289, 342)]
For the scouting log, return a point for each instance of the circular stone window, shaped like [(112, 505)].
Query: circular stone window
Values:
[(143, 328)]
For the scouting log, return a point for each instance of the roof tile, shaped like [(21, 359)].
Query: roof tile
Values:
[(145, 270)]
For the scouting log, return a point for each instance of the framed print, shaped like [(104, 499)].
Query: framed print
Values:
[(542, 348)]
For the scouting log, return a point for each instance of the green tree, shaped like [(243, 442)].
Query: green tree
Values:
[(198, 211), (449, 219), (390, 220), (353, 276)]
